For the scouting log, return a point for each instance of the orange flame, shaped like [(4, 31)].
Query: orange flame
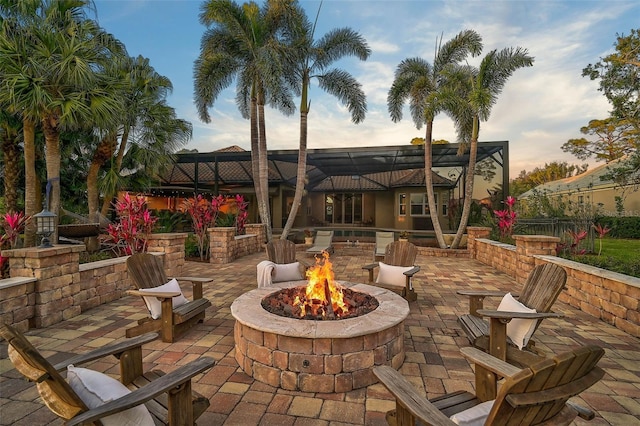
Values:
[(315, 291)]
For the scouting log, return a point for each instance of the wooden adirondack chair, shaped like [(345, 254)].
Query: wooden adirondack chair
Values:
[(399, 267), (169, 398), (282, 254), (535, 395), (147, 272), (540, 291), (322, 242), (383, 239)]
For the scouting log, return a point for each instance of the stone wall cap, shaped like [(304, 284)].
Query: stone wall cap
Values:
[(14, 281)]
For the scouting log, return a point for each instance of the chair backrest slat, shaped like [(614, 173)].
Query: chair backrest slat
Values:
[(53, 388), (146, 270), (281, 251), (401, 253), (540, 392)]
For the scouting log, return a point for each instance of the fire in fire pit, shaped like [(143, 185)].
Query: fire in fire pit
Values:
[(321, 299)]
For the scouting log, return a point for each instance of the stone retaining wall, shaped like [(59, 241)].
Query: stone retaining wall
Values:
[(225, 246), (609, 296), (49, 285)]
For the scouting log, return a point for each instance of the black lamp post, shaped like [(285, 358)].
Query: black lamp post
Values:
[(46, 225), (45, 222)]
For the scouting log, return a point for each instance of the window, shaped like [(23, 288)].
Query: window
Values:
[(420, 204), (402, 204)]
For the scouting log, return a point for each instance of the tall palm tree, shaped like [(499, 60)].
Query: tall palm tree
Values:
[(472, 94), (420, 83), (241, 42), (310, 59), (10, 145)]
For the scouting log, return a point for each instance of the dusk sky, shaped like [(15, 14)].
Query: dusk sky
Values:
[(540, 108)]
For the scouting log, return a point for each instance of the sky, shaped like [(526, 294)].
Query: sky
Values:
[(540, 108)]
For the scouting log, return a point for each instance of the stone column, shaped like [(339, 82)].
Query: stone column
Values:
[(172, 245), (221, 244), (57, 275), (473, 233), (527, 246)]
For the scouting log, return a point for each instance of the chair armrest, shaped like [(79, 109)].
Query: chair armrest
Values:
[(407, 399), (411, 272), (194, 279), (112, 349), (162, 295), (491, 363), (484, 293), (371, 266), (163, 384), (506, 315)]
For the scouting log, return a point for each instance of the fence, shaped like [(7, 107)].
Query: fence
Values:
[(554, 227)]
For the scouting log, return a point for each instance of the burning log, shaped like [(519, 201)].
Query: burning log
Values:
[(327, 296)]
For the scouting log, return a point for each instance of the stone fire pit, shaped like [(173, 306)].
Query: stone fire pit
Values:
[(318, 356)]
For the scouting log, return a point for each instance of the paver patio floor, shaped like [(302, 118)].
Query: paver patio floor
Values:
[(432, 341)]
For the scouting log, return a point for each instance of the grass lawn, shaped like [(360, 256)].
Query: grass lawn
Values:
[(618, 255), (621, 249)]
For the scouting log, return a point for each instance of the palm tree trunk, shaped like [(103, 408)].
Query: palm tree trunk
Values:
[(109, 195), (11, 169), (102, 154), (263, 164), (255, 156), (52, 156), (30, 194), (428, 178), (302, 163), (468, 185)]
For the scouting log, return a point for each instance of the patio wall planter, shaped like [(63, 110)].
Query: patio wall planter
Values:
[(606, 295)]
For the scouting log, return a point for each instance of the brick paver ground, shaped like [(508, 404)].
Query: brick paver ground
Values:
[(433, 363)]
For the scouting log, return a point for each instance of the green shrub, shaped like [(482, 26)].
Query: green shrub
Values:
[(631, 268), (621, 227), (191, 246)]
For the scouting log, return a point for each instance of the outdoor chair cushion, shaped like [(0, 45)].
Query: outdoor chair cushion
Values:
[(392, 275), (95, 389), (474, 416), (154, 305), (287, 272), (518, 330)]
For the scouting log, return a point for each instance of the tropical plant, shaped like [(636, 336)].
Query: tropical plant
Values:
[(13, 223), (572, 246), (134, 225), (420, 83), (308, 59), (469, 95), (506, 218), (241, 42), (602, 231), (204, 214)]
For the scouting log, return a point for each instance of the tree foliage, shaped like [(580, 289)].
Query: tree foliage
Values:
[(548, 173), (609, 139)]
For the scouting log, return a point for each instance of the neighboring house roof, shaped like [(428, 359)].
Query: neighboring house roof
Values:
[(591, 179), (331, 169)]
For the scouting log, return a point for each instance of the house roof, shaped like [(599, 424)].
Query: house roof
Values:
[(331, 169), (591, 179)]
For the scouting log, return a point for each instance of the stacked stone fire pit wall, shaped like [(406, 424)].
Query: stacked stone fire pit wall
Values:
[(318, 356)]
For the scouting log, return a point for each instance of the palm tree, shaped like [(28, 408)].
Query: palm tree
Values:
[(311, 59), (472, 92), (11, 153), (59, 87), (242, 43), (421, 84)]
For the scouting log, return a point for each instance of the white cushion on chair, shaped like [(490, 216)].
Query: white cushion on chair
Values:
[(155, 306), (392, 275), (96, 389), (474, 416), (287, 272), (519, 330)]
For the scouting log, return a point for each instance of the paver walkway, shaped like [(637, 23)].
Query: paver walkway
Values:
[(433, 363)]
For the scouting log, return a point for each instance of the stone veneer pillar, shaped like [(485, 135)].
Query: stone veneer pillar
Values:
[(172, 245), (57, 275), (528, 246), (473, 233)]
